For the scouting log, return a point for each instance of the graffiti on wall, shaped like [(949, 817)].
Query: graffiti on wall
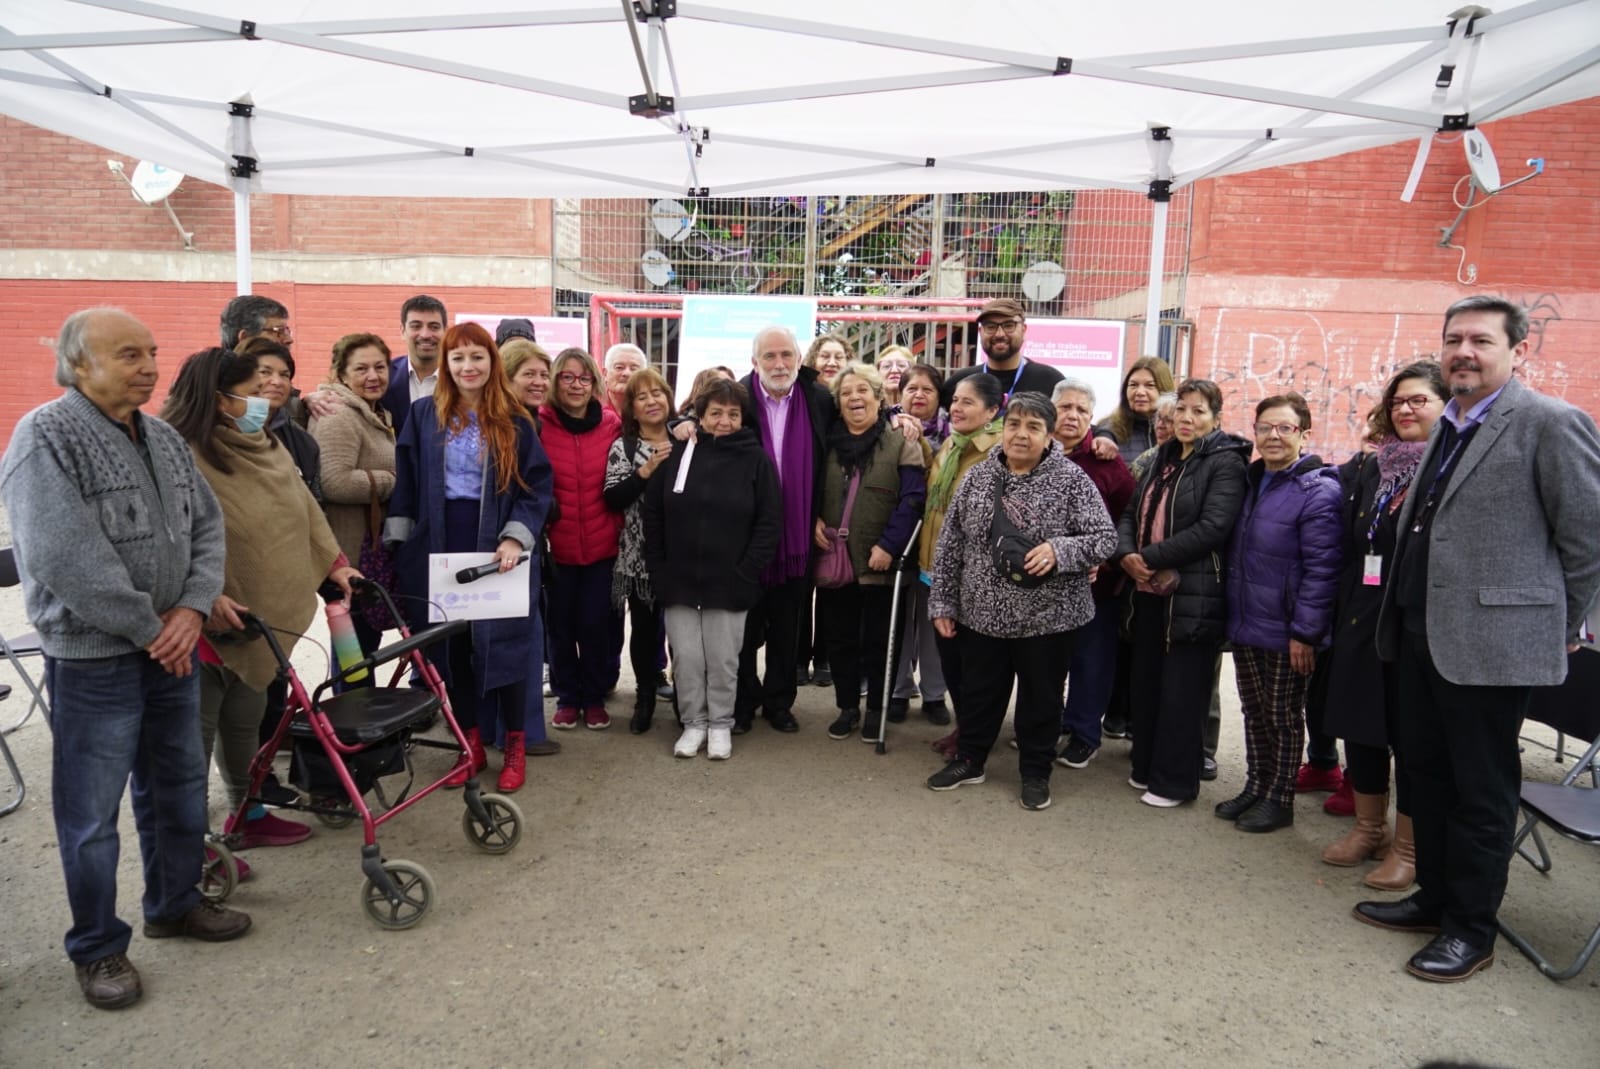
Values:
[(1340, 361)]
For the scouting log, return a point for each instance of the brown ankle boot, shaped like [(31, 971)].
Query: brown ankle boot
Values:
[(1399, 869), (1369, 837)]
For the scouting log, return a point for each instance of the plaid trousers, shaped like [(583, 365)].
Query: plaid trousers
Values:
[(1273, 697)]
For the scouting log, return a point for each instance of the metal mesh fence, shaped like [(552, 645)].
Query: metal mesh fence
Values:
[(1063, 253)]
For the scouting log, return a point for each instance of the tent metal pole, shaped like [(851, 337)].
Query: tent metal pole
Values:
[(1158, 263), (241, 235)]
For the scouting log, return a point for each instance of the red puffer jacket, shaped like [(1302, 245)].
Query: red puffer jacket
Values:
[(585, 531)]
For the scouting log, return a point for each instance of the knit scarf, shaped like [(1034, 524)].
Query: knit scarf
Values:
[(943, 486), (793, 558), (1397, 466), (854, 450), (279, 546)]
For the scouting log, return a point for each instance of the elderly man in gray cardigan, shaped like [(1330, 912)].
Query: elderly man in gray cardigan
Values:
[(1497, 563), (119, 606)]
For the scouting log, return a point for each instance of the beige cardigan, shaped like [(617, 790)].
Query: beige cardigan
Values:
[(357, 445)]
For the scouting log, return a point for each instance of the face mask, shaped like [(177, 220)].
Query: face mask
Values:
[(255, 414)]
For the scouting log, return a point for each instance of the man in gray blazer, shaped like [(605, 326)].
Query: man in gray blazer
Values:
[(1497, 564)]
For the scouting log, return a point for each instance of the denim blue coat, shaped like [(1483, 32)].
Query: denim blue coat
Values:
[(503, 651)]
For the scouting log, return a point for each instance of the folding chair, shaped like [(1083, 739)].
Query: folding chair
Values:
[(1571, 810), (16, 647), (20, 788)]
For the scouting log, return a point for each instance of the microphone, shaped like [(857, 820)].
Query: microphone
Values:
[(468, 575)]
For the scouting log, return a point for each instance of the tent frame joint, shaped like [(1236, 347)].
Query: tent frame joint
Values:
[(660, 9), (1455, 122), (247, 30), (642, 105), (1063, 65), (1160, 190)]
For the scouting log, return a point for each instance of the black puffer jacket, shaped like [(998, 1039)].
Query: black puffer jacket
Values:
[(1201, 511)]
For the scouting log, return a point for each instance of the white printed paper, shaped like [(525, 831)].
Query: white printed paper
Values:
[(497, 596)]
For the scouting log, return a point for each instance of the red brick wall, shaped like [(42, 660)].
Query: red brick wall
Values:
[(1317, 277), (183, 317)]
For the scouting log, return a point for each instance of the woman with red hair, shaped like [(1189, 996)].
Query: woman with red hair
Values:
[(470, 475)]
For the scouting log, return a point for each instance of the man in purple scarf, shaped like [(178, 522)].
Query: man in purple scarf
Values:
[(792, 411)]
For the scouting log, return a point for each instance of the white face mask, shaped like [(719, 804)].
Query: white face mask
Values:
[(256, 410)]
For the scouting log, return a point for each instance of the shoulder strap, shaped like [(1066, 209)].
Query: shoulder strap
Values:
[(849, 503)]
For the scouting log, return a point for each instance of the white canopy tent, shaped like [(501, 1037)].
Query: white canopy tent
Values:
[(743, 97)]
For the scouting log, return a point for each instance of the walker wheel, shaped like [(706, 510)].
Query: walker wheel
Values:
[(219, 872), (502, 832), (416, 896), (341, 819)]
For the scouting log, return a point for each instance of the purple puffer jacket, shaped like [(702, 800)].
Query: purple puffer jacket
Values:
[(1284, 559)]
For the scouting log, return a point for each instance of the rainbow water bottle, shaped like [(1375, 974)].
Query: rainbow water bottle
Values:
[(346, 647)]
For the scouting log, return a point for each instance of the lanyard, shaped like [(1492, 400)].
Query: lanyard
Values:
[(1022, 362), (1377, 514), (1425, 512)]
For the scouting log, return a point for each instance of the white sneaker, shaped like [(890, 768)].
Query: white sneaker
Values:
[(689, 742), (1150, 798), (719, 744), (1136, 785)]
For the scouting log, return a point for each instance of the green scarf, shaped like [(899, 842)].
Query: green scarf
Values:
[(943, 486)]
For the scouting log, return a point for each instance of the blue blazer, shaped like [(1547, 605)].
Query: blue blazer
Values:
[(397, 398), (502, 650)]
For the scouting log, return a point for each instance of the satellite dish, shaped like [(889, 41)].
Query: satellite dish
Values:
[(1044, 281), (153, 183), (1480, 161), (656, 268), (671, 219)]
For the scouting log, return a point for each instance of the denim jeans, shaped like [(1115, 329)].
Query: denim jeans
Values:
[(1092, 675), (110, 717)]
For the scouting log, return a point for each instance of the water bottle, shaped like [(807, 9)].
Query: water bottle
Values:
[(346, 647)]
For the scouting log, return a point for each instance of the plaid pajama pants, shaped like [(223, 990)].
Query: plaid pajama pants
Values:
[(1273, 697)]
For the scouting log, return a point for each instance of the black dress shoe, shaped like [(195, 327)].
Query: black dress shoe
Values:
[(1406, 915), (1447, 960), (783, 720), (1266, 815), (936, 711), (740, 727), (898, 708), (1234, 808), (1208, 769)]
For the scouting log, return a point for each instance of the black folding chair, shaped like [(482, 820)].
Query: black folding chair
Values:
[(16, 647), (19, 788)]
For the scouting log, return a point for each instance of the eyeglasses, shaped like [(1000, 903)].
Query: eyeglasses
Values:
[(1283, 430), (991, 326), (572, 378), (1416, 402), (281, 333)]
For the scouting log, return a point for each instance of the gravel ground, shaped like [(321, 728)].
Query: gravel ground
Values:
[(806, 903)]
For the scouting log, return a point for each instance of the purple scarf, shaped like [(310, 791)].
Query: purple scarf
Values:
[(793, 559), (1397, 466)]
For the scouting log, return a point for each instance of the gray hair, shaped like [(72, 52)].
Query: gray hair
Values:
[(72, 346), (625, 347), (247, 315), (1066, 386), (775, 328), (1030, 403), (1167, 401), (871, 375)]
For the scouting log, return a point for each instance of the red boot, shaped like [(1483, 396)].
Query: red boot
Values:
[(1311, 778), (1342, 802), (513, 769), (480, 760)]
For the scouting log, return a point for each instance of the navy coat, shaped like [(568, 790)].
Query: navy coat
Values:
[(1283, 564), (502, 650)]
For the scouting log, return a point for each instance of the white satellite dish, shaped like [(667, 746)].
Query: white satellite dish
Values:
[(656, 268), (153, 183), (1480, 161), (1044, 281), (671, 219)]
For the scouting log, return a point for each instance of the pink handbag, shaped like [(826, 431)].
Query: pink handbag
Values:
[(833, 568)]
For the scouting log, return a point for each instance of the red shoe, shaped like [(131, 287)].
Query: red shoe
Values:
[(1342, 802), (513, 772), (947, 745), (595, 718), (268, 830), (566, 718), (1311, 778), (480, 760), (241, 866)]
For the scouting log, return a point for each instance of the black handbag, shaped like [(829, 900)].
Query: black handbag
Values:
[(1009, 545)]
